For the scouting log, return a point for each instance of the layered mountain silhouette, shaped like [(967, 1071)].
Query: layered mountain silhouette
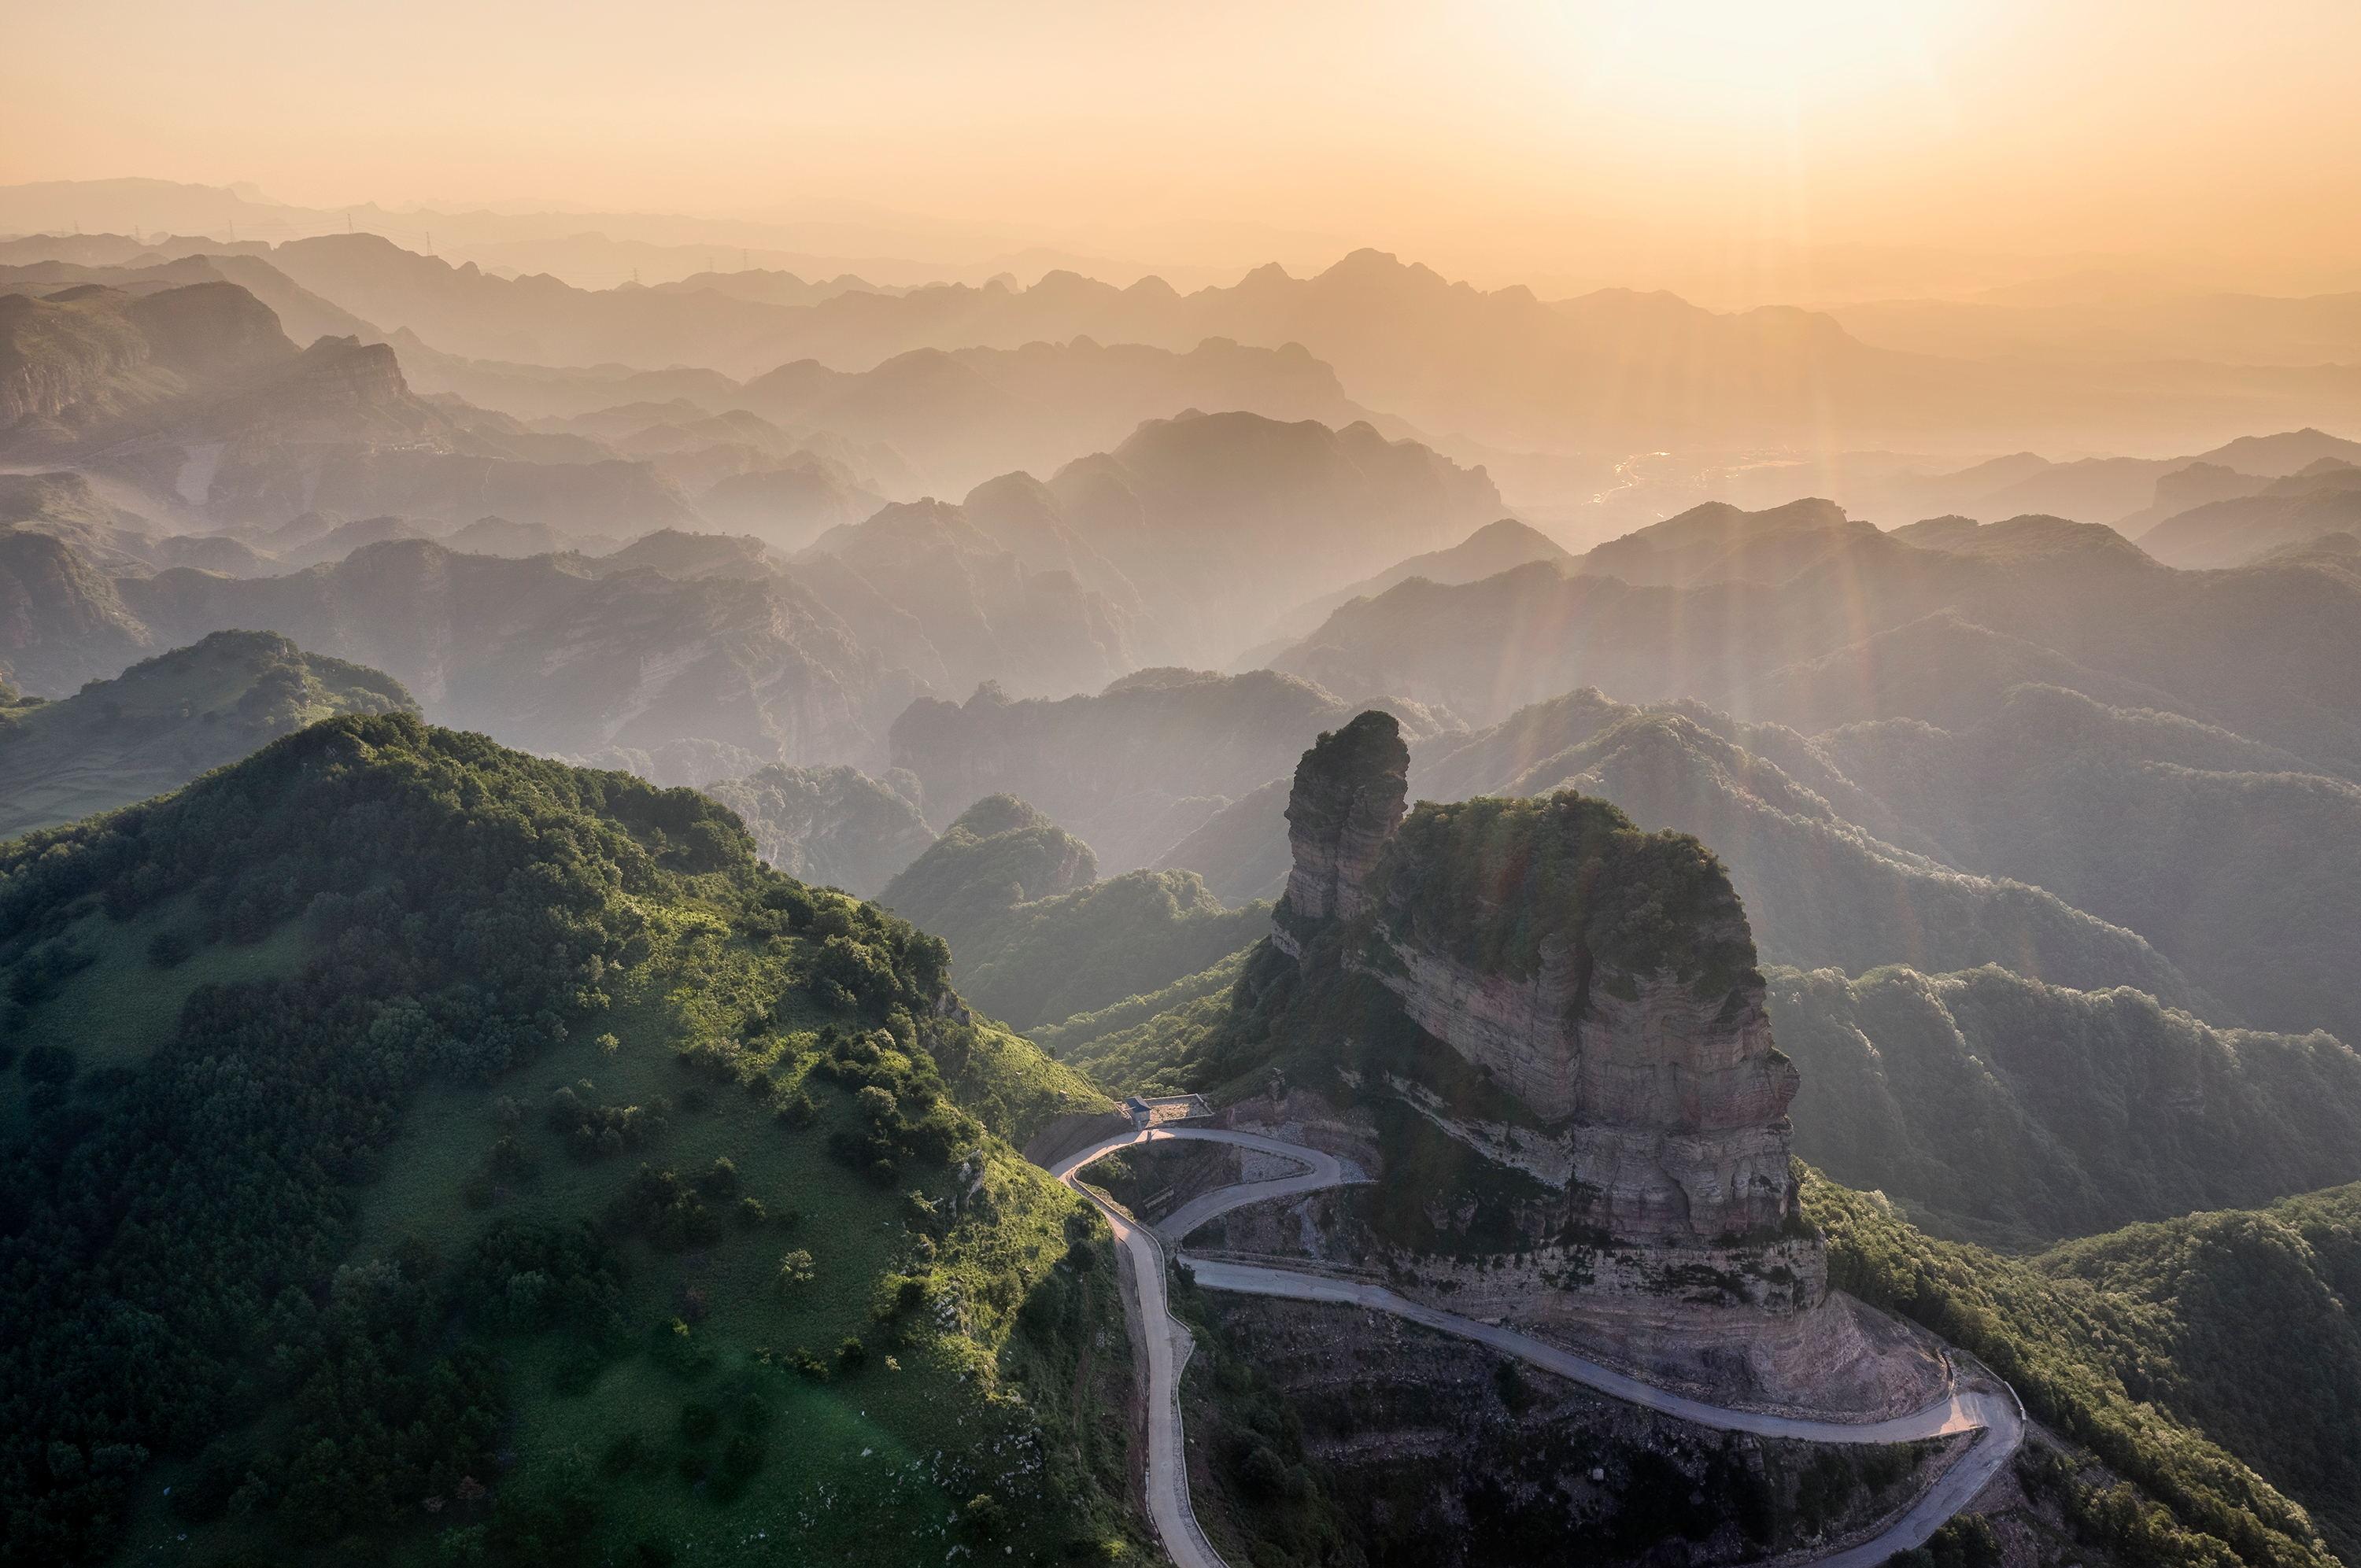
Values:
[(1615, 368), (1506, 367), (2072, 842), (546, 651), (167, 720), (1494, 547), (2131, 493), (196, 400), (1037, 937), (2233, 531), (929, 419), (1133, 769), (831, 827), (1873, 625), (1139, 548), (924, 575)]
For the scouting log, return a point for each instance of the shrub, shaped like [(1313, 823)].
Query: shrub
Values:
[(627, 1454), (49, 1064)]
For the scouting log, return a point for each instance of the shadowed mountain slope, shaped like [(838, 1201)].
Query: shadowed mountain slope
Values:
[(830, 827), (169, 719)]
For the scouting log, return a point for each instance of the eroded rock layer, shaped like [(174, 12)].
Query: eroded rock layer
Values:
[(1603, 977)]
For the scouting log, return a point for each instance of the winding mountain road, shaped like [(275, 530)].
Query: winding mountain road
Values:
[(1997, 1417)]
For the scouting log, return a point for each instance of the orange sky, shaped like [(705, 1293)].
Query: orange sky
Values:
[(1501, 141)]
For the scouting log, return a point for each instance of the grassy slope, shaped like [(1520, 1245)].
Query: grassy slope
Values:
[(118, 1010), (868, 1467), (1012, 1370)]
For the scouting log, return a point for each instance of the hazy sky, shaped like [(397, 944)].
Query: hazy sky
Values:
[(1500, 140)]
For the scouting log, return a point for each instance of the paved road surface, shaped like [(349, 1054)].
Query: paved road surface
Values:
[(1995, 1417), (1168, 1343)]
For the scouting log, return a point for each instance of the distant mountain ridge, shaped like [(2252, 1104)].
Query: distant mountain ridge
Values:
[(194, 396), (1494, 547), (2132, 492), (1135, 767), (546, 651), (169, 719), (2237, 530), (1872, 625)]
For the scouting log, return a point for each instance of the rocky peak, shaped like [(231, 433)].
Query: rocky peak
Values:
[(1349, 792), (210, 330), (1603, 977), (346, 372)]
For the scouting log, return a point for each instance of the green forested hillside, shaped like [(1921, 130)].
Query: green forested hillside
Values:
[(2210, 1362), (423, 1153), (2249, 1328), (1036, 939), (165, 720), (836, 827), (2241, 866), (2000, 1108), (998, 852), (1098, 945), (1141, 1045)]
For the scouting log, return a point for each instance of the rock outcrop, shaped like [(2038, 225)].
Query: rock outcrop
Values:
[(1676, 1108), (1348, 800), (1603, 977), (1135, 768), (1542, 1034)]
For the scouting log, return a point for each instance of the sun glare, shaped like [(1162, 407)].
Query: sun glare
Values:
[(1744, 59)]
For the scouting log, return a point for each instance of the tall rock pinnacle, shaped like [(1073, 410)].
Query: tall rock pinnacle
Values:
[(1350, 793)]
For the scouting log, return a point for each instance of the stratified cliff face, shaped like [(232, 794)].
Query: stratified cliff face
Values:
[(1603, 977), (1677, 1108), (1347, 802)]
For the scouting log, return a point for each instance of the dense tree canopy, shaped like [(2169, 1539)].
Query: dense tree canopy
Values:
[(177, 1229)]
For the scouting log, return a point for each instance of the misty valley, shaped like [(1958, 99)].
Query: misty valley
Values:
[(824, 885)]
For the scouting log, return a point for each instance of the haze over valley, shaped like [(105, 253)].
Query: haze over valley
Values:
[(1363, 787)]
